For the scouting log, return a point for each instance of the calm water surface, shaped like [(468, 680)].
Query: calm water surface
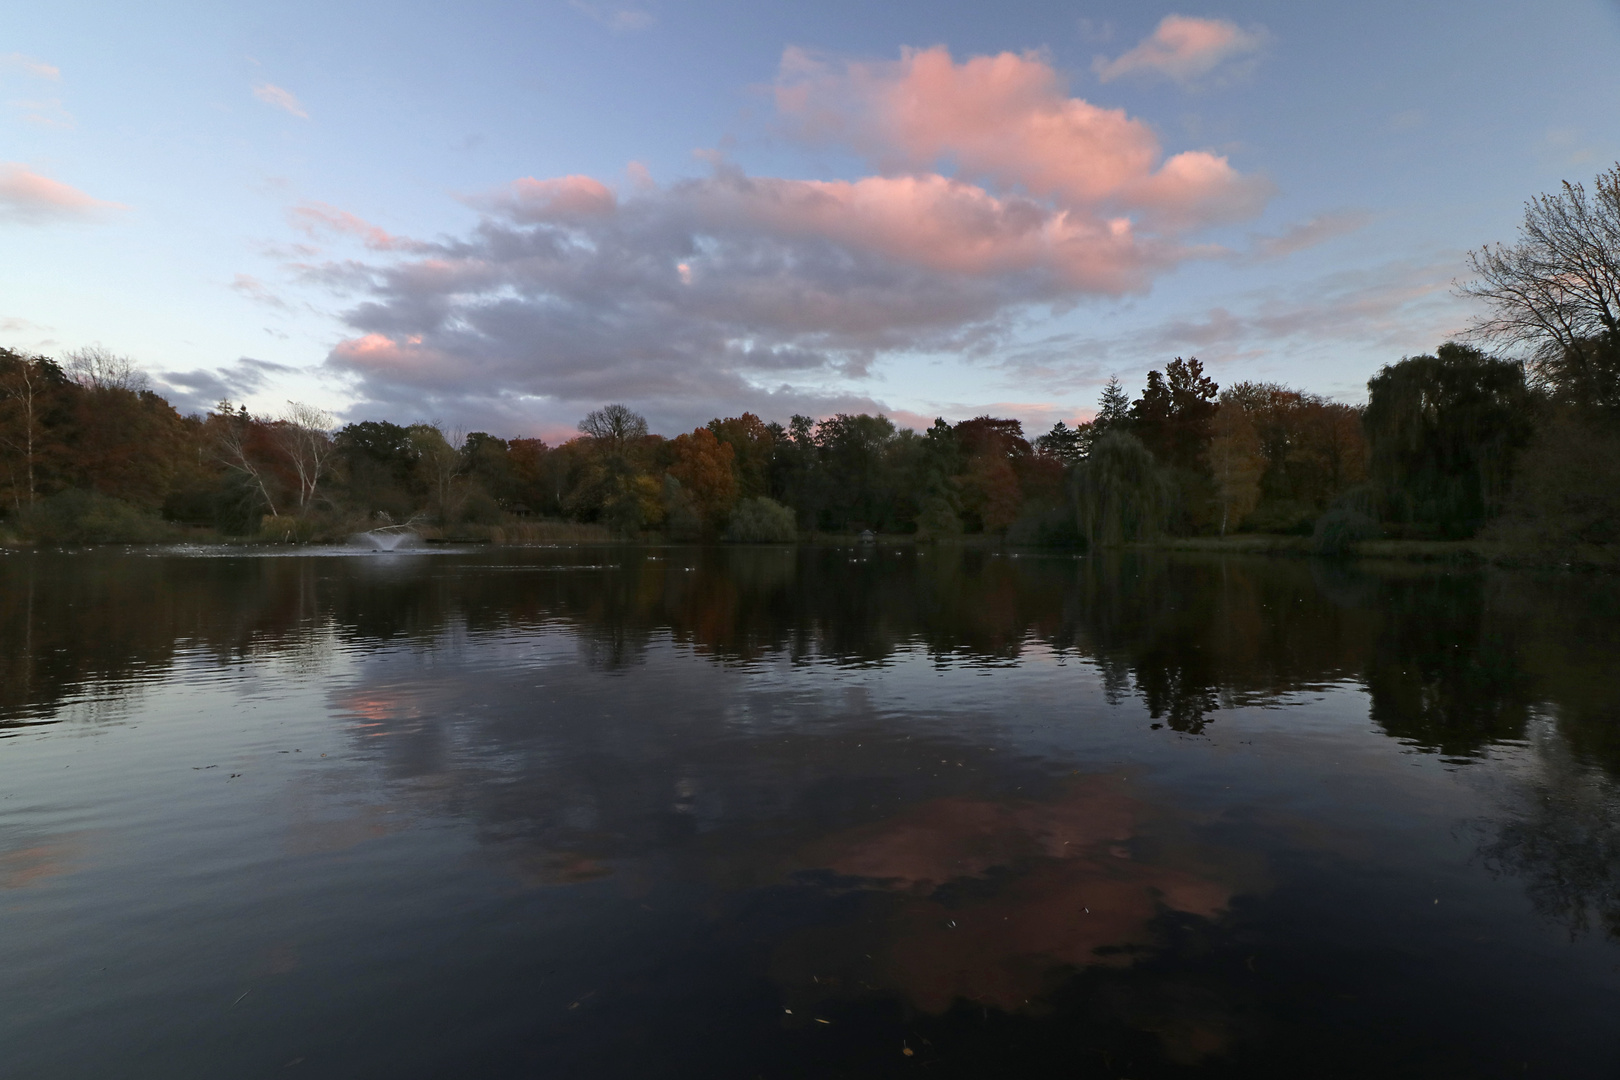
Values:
[(642, 812)]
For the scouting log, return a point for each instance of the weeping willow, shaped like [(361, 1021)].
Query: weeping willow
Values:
[(1120, 493)]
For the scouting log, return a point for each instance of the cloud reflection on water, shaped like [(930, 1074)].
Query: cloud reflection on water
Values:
[(990, 902)]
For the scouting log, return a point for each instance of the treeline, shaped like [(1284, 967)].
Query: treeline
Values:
[(1447, 446), (90, 452)]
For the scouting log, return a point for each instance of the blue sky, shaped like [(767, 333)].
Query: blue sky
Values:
[(777, 207)]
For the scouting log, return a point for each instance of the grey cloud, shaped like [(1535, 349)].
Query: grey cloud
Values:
[(1393, 309), (662, 303), (200, 389)]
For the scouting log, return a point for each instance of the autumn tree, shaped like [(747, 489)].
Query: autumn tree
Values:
[(1554, 295), (1312, 450), (993, 453), (703, 467), (1235, 462), (752, 443)]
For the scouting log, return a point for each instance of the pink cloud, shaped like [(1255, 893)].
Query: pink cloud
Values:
[(28, 197), (939, 223), (1184, 49), (313, 218), (1007, 120), (990, 191), (271, 94), (382, 355), (31, 66), (561, 199)]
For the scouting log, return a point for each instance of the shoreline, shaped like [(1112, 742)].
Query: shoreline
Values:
[(1454, 552)]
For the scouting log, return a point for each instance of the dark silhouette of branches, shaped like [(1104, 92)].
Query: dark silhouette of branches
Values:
[(1556, 291)]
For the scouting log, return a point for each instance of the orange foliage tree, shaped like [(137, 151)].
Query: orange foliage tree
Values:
[(752, 442), (1235, 463), (995, 453), (703, 465)]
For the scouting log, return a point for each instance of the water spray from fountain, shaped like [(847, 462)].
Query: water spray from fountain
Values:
[(388, 536)]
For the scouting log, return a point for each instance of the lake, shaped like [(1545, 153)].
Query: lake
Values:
[(619, 811)]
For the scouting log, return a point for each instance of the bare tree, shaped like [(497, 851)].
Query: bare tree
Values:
[(1556, 292), (305, 435), (231, 438), (616, 426), (21, 386), (96, 367)]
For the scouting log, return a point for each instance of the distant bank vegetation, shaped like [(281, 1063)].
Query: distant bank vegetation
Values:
[(1455, 445)]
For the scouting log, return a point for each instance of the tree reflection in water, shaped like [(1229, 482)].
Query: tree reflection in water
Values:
[(1453, 660), (715, 732), (1561, 837)]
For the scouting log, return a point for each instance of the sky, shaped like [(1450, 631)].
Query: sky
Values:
[(499, 216)]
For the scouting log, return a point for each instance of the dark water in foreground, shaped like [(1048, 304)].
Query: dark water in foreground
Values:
[(613, 812)]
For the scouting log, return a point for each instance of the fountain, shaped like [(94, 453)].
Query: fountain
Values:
[(387, 538)]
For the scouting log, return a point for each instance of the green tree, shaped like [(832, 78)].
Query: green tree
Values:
[(1443, 431), (854, 489), (1120, 492), (761, 521), (1063, 443), (1173, 415), (490, 466), (439, 467), (378, 465)]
